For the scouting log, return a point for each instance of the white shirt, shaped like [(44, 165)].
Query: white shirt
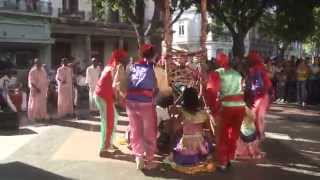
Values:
[(12, 81), (162, 114), (92, 76), (314, 69), (4, 81), (81, 80)]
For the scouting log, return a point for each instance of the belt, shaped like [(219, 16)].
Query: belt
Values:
[(233, 98), (140, 92)]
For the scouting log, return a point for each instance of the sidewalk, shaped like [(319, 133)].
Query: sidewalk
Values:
[(68, 149)]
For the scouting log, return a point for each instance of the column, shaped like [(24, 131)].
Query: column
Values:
[(121, 42), (45, 54), (87, 47), (109, 46), (81, 49)]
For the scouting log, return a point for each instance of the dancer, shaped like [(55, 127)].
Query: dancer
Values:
[(258, 86), (142, 87), (193, 148), (104, 100), (231, 113)]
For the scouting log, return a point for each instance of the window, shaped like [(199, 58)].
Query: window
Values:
[(72, 5), (181, 29), (17, 58)]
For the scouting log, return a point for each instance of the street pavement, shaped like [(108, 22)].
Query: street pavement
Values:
[(68, 149)]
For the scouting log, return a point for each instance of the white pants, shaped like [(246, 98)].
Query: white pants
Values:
[(92, 103)]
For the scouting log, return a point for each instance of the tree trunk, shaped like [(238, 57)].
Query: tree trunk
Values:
[(238, 48), (204, 24), (283, 50), (140, 38), (167, 27)]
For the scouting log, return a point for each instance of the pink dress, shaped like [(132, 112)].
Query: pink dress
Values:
[(192, 148), (37, 105), (65, 96)]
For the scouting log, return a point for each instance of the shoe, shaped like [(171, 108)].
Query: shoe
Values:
[(222, 168), (229, 165), (113, 148), (151, 165), (105, 153), (139, 163)]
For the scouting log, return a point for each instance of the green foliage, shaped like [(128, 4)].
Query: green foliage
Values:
[(238, 15), (219, 31), (312, 43), (289, 21), (285, 20)]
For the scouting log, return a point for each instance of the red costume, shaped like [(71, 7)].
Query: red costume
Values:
[(104, 99), (259, 85), (226, 83)]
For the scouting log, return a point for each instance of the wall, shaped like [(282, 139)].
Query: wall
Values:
[(149, 10), (191, 40), (109, 45), (79, 49), (86, 6), (56, 4)]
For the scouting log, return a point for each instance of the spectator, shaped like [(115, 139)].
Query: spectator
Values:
[(290, 71), (302, 77), (38, 83), (281, 79), (65, 89), (92, 76)]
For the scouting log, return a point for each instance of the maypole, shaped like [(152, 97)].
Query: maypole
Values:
[(203, 42), (167, 26), (167, 37), (204, 24)]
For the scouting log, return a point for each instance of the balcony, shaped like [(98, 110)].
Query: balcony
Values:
[(72, 14), (27, 6)]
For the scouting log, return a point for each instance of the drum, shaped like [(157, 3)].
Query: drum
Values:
[(16, 98)]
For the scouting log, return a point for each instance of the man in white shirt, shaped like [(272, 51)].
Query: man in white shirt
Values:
[(92, 76)]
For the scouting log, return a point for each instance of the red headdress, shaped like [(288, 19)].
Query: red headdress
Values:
[(146, 49), (255, 58), (222, 60), (117, 55)]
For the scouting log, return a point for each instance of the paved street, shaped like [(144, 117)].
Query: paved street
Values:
[(68, 149)]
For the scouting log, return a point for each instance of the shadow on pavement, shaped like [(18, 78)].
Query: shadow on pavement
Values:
[(118, 155), (75, 124), (21, 171), (281, 154), (23, 131), (282, 162), (297, 117)]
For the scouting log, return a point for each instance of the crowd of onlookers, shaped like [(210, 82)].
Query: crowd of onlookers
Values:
[(295, 80)]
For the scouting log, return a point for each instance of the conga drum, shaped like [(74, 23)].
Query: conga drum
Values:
[(16, 98)]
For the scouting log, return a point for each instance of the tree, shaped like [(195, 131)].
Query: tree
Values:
[(314, 39), (239, 16), (134, 12), (289, 21)]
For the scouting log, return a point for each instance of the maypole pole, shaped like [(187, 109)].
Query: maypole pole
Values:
[(167, 37), (204, 24), (167, 26), (203, 40)]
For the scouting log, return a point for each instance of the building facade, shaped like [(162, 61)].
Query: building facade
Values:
[(187, 36), (52, 29)]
